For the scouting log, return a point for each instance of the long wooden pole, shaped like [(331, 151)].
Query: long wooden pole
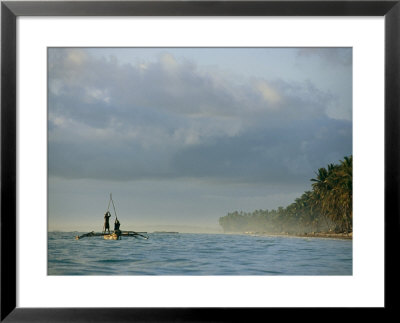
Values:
[(113, 206), (108, 208)]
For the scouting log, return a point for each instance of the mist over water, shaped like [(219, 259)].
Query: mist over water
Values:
[(198, 254)]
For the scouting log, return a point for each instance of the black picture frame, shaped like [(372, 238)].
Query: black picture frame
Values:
[(10, 10)]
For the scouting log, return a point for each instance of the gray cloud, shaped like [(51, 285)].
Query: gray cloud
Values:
[(169, 119), (270, 155), (336, 56)]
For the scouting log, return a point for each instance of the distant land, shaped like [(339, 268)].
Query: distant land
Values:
[(181, 228)]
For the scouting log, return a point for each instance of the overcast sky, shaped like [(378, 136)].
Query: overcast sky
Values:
[(182, 136)]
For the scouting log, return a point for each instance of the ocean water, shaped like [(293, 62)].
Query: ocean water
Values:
[(198, 254)]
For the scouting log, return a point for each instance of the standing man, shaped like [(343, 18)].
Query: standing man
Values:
[(117, 224), (107, 216)]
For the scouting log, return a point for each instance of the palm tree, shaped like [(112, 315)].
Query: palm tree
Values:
[(330, 200), (345, 191), (320, 191), (332, 190)]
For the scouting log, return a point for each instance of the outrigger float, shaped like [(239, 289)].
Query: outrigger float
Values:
[(117, 233)]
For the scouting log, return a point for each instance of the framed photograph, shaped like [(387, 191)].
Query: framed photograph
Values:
[(193, 160)]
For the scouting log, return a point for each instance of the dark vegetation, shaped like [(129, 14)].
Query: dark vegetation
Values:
[(327, 207)]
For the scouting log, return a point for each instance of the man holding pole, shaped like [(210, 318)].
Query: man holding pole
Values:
[(107, 216)]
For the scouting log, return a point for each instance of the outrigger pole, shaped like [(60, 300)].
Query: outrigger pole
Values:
[(134, 234), (91, 234)]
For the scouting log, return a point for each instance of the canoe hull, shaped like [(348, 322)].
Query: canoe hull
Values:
[(112, 236)]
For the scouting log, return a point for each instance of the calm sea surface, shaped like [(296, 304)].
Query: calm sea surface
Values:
[(198, 254)]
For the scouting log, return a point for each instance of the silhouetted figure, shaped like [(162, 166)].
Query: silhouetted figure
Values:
[(107, 216), (116, 225)]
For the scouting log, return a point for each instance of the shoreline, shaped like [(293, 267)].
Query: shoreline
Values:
[(345, 236)]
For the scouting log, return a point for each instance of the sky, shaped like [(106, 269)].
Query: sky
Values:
[(182, 136)]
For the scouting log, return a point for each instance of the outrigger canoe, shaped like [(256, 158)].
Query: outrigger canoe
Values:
[(113, 236), (116, 234)]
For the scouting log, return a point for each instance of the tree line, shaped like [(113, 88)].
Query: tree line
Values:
[(326, 207)]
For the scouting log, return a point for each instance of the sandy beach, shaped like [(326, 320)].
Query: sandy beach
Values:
[(331, 235)]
